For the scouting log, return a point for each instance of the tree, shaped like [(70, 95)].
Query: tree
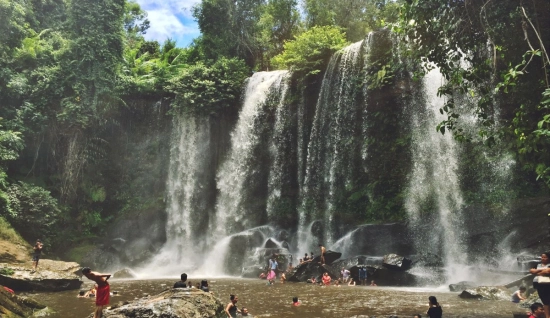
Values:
[(310, 52), (279, 23), (208, 90), (355, 17), (230, 28), (453, 35)]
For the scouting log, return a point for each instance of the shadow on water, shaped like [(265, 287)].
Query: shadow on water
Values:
[(276, 300)]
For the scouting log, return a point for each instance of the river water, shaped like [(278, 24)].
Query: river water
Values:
[(275, 301)]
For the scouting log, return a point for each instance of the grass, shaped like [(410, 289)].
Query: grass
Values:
[(7, 233)]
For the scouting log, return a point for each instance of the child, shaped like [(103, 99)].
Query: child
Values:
[(296, 302), (283, 278), (519, 295)]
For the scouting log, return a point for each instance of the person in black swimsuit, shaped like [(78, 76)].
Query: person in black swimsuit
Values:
[(434, 311), (231, 309)]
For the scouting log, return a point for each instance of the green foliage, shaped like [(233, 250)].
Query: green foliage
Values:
[(208, 90), (6, 271), (453, 35), (7, 233), (355, 17), (311, 51), (12, 24), (35, 212), (280, 22), (230, 29)]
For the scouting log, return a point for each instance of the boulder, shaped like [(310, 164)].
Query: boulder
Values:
[(397, 262), (303, 272), (460, 286), (171, 303), (124, 273), (487, 293), (51, 276), (270, 243), (386, 277), (330, 257), (14, 306)]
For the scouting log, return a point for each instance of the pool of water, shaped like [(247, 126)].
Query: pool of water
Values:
[(275, 301)]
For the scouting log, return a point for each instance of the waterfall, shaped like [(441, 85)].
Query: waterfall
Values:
[(333, 145), (189, 146), (233, 176), (434, 182)]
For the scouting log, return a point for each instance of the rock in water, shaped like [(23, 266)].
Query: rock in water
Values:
[(171, 303), (487, 293), (124, 273), (462, 286), (397, 262), (51, 276)]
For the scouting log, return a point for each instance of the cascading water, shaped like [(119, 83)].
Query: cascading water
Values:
[(233, 175), (190, 144), (266, 184), (333, 148), (434, 182)]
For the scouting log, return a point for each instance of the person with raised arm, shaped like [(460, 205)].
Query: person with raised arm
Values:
[(103, 290)]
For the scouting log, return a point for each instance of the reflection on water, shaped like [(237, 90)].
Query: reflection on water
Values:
[(276, 300)]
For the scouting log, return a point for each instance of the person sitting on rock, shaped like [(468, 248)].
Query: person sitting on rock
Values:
[(519, 295), (182, 283), (289, 268), (306, 258)]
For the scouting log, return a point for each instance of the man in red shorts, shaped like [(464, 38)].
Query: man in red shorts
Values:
[(103, 290)]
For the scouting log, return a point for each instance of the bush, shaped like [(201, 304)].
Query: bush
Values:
[(311, 51), (34, 211)]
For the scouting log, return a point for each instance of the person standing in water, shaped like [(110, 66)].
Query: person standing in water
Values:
[(231, 309), (434, 310), (103, 290)]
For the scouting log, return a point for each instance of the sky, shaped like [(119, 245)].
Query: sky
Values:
[(170, 19)]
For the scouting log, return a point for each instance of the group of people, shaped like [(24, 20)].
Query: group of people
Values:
[(231, 309), (183, 283), (101, 289)]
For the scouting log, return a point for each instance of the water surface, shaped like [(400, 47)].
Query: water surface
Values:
[(275, 301)]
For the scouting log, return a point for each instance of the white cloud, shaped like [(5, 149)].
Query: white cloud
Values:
[(179, 7), (170, 19)]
